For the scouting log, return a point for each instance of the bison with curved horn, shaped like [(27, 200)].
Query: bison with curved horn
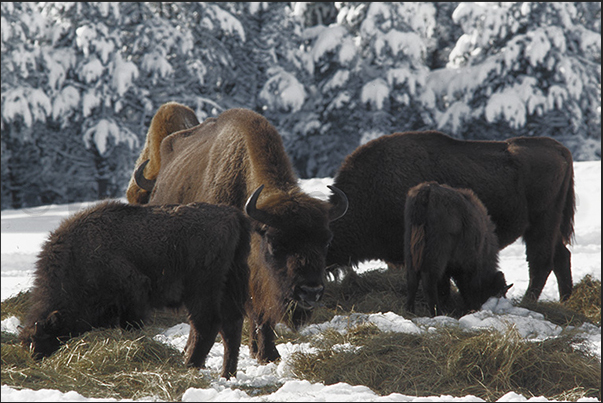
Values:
[(526, 184), (238, 159)]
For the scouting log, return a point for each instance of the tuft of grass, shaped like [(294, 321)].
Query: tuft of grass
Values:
[(16, 306), (381, 291), (584, 305), (452, 362), (586, 299), (105, 363)]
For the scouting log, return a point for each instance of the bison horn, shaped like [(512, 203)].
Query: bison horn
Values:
[(340, 204), (255, 213), (141, 181)]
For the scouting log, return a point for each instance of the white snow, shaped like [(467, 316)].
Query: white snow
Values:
[(124, 73), (375, 92), (327, 41), (23, 232), (283, 91), (228, 23)]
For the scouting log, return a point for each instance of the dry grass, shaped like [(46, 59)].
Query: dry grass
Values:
[(584, 305), (111, 363), (103, 363), (586, 299), (453, 362), (16, 306), (485, 364), (379, 291)]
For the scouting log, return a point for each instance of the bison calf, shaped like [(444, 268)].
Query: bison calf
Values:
[(450, 235), (108, 266)]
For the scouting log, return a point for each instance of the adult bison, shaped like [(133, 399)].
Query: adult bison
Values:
[(238, 159), (109, 265), (450, 235), (527, 185)]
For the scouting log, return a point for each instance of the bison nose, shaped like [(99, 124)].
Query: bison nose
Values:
[(309, 294)]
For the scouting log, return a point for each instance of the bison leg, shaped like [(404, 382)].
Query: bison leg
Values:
[(444, 290), (412, 285), (133, 289), (430, 278), (205, 322), (563, 271), (539, 253), (261, 343), (231, 339), (201, 338)]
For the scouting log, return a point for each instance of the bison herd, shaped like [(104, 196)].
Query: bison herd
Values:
[(217, 222)]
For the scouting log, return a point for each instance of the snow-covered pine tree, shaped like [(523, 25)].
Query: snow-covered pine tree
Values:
[(369, 70), (212, 80), (531, 69), (284, 85), (74, 68), (33, 71), (326, 130)]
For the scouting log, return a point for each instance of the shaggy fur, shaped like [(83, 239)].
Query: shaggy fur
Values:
[(165, 122), (527, 185), (108, 266), (450, 235), (225, 160)]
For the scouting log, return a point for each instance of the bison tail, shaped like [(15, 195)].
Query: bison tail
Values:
[(569, 209), (416, 246), (170, 118), (415, 216)]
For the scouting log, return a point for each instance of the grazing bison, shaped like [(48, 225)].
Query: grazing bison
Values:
[(109, 265), (236, 157), (527, 185), (450, 235)]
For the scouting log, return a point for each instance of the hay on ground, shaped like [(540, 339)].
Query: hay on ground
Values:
[(452, 362)]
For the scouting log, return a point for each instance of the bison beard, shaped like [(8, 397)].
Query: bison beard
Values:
[(527, 185), (236, 157), (108, 266), (450, 235)]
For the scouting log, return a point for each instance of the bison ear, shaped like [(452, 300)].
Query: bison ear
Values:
[(51, 322), (339, 203), (507, 288)]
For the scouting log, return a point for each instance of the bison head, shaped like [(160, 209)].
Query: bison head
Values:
[(294, 237), (41, 337), (490, 285)]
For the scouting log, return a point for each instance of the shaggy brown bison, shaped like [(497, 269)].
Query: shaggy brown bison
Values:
[(165, 122), (450, 235), (109, 265), (232, 158), (527, 185)]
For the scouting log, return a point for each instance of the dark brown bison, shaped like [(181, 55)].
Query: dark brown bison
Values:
[(232, 158), (109, 265), (527, 185), (450, 235)]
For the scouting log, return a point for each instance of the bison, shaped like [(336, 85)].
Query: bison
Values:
[(109, 265), (450, 235), (238, 157), (526, 184)]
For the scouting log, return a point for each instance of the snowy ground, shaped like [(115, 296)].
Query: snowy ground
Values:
[(23, 232)]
